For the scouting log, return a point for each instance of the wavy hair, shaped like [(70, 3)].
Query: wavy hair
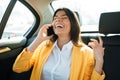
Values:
[(75, 26)]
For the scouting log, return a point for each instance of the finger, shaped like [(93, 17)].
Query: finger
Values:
[(49, 37), (100, 41), (94, 41), (92, 45), (49, 25), (45, 27)]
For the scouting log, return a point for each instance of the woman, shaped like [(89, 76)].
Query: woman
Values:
[(63, 55)]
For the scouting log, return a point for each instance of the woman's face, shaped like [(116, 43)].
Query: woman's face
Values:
[(61, 24)]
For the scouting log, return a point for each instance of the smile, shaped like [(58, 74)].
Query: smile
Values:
[(59, 26)]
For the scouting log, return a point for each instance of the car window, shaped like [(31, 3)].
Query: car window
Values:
[(88, 10), (19, 22), (3, 6)]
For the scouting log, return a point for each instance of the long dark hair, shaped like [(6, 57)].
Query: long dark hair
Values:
[(75, 27)]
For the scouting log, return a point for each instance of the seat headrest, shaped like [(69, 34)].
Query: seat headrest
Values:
[(109, 23)]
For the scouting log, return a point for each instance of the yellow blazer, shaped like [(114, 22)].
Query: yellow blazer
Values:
[(82, 65)]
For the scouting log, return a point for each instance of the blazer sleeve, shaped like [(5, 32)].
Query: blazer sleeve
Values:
[(23, 62), (91, 63), (97, 76)]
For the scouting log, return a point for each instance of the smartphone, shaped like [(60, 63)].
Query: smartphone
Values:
[(50, 31)]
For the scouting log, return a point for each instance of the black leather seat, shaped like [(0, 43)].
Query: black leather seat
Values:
[(109, 25)]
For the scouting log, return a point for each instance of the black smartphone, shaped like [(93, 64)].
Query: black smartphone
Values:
[(50, 31)]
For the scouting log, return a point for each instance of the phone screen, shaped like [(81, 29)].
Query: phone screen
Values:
[(50, 31)]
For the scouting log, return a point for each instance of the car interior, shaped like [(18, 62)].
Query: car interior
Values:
[(109, 26), (108, 29)]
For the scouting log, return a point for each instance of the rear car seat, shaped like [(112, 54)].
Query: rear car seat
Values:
[(109, 29), (109, 25)]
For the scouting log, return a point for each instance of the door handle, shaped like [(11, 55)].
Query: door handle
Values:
[(5, 49)]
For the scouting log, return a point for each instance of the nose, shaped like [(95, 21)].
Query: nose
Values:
[(59, 19)]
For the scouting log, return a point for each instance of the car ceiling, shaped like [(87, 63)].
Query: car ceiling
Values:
[(43, 9)]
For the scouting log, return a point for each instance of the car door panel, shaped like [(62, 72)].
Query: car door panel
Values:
[(9, 50)]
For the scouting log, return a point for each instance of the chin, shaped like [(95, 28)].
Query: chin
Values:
[(59, 34)]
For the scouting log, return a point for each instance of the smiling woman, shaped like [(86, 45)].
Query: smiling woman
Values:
[(67, 54), (64, 58)]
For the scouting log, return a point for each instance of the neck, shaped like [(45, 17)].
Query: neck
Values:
[(62, 41)]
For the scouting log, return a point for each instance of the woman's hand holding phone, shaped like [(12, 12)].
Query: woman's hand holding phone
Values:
[(42, 36), (45, 32)]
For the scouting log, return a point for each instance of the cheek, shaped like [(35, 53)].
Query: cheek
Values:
[(68, 27), (68, 30)]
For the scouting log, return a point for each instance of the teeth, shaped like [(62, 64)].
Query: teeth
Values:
[(60, 26)]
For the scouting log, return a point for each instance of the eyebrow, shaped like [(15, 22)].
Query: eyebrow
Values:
[(60, 15)]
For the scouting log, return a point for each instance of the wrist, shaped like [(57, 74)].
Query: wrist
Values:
[(99, 66)]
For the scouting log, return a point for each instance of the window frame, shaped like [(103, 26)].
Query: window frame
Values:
[(7, 14)]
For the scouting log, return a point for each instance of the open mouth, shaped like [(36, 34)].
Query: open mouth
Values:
[(59, 26)]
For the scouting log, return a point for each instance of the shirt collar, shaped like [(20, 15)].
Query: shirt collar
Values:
[(68, 45)]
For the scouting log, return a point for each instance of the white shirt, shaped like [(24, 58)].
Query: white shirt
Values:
[(57, 67)]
